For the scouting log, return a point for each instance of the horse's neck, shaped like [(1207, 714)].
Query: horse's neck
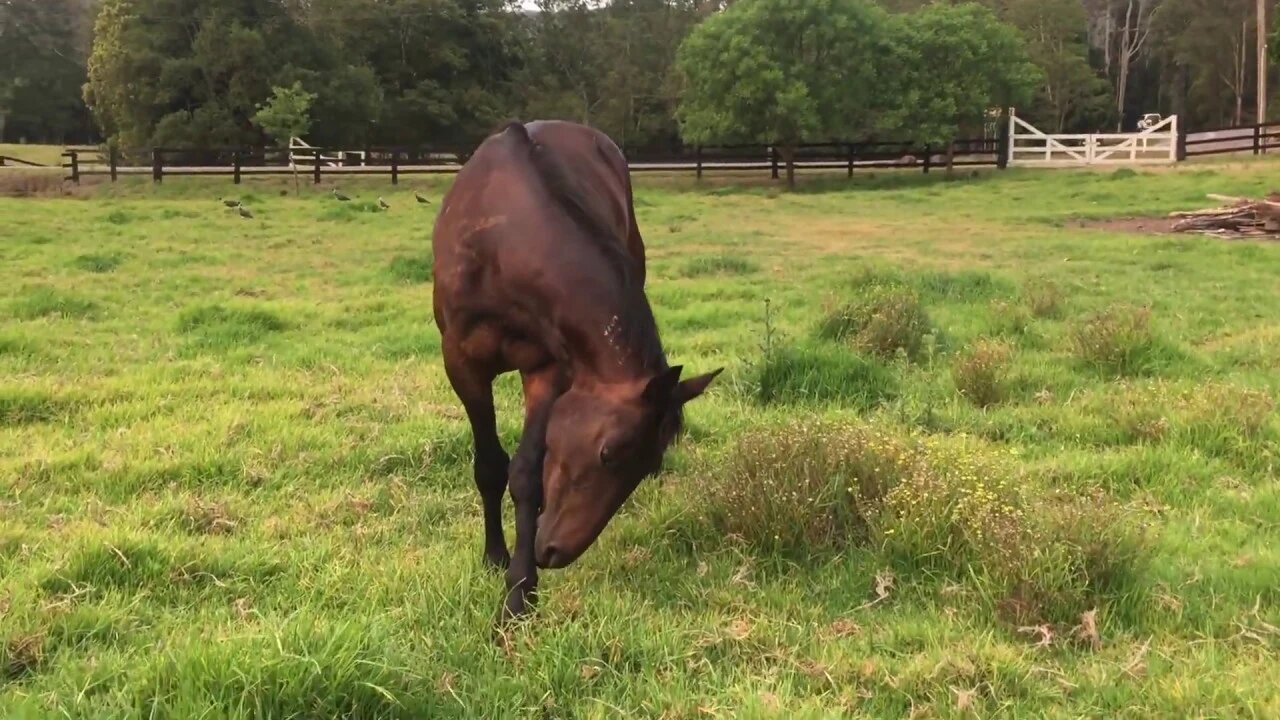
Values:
[(617, 341)]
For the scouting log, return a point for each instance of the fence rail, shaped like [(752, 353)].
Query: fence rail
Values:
[(9, 159), (317, 163), (1258, 139)]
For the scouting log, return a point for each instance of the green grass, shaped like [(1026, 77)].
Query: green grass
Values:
[(42, 154), (234, 481)]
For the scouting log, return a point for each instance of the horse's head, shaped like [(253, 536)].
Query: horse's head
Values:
[(601, 442)]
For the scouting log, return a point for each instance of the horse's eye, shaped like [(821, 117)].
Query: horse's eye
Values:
[(607, 456)]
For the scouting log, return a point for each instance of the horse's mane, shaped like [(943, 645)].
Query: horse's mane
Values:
[(571, 198), (641, 328)]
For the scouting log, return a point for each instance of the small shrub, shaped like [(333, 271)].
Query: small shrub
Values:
[(979, 372), (98, 263), (805, 485), (409, 269), (1080, 551), (882, 320), (1119, 340), (1046, 556), (48, 302), (1043, 298), (954, 509), (718, 265), (1245, 409), (822, 375), (1217, 419), (944, 508)]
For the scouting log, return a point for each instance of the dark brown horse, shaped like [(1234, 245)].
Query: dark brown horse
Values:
[(539, 268)]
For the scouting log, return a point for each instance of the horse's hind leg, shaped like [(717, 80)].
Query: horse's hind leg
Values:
[(474, 387)]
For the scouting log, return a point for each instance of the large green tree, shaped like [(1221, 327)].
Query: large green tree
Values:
[(1215, 41), (445, 69), (783, 71), (193, 72), (43, 47), (949, 66), (610, 65), (1073, 93)]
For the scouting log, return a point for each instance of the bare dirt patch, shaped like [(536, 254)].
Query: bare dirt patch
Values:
[(1136, 225)]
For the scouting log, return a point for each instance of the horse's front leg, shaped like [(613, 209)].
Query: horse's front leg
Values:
[(541, 388)]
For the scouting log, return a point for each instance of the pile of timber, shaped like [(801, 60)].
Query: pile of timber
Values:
[(1236, 217)]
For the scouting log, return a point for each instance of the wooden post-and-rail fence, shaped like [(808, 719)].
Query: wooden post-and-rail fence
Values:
[(238, 162)]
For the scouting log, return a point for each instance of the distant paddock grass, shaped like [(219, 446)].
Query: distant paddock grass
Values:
[(43, 154), (972, 460)]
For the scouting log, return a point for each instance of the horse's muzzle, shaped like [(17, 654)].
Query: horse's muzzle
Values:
[(547, 554)]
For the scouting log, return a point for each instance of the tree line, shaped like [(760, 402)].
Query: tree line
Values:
[(198, 72)]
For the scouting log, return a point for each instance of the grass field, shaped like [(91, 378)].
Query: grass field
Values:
[(43, 154), (969, 458)]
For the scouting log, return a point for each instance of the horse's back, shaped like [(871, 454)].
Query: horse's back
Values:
[(524, 196)]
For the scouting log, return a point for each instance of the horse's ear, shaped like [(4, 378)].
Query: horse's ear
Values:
[(693, 387), (662, 385)]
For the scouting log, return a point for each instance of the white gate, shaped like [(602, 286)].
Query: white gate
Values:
[(1028, 147)]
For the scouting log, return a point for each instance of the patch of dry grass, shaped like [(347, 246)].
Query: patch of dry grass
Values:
[(883, 320), (980, 372)]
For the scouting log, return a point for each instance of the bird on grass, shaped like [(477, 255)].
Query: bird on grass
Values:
[(244, 212), (421, 199), (230, 203), (383, 204), (340, 196)]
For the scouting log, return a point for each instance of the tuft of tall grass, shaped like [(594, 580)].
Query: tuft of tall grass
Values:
[(411, 269), (230, 325), (1119, 340), (979, 372), (727, 265), (883, 320), (1043, 297), (804, 374), (927, 506), (45, 301)]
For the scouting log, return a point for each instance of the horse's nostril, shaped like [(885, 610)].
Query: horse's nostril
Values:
[(551, 557)]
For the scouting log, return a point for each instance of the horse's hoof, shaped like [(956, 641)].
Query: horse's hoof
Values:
[(518, 605), (498, 559)]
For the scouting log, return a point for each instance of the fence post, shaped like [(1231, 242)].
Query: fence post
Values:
[(395, 166), (75, 167), (315, 167), (157, 165), (1257, 139), (928, 158), (235, 163), (697, 154), (1002, 144), (849, 156), (1180, 131), (113, 157), (773, 162)]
